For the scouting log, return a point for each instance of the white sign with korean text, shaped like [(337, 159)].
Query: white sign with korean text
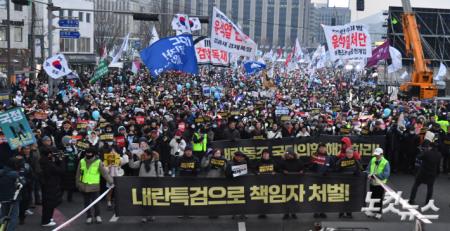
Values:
[(239, 170), (207, 55), (225, 35), (350, 41)]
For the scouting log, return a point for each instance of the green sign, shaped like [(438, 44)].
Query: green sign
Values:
[(16, 128), (102, 69)]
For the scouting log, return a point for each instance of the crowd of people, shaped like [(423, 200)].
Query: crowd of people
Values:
[(155, 127)]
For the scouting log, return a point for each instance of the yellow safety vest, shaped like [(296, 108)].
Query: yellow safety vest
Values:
[(90, 175), (200, 147), (380, 167)]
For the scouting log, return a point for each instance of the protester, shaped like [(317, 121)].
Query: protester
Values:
[(215, 164), (9, 178), (71, 161), (149, 166), (321, 163), (188, 164), (291, 165), (430, 159), (52, 166), (87, 178), (239, 161), (379, 170), (348, 165)]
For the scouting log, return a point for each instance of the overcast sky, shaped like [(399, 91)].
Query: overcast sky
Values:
[(375, 6)]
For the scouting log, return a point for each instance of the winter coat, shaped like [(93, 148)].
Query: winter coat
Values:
[(95, 187), (350, 166), (177, 147), (8, 179), (429, 167), (292, 165), (266, 166), (348, 144), (215, 167), (156, 169), (188, 166), (229, 134), (71, 162), (50, 179), (321, 163)]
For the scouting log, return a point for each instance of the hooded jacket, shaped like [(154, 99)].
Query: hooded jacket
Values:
[(348, 144)]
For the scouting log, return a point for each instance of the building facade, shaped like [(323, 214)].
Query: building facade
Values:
[(78, 51), (270, 23), (322, 14), (19, 31)]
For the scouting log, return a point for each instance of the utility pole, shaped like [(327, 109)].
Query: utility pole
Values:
[(50, 42), (9, 68), (31, 43)]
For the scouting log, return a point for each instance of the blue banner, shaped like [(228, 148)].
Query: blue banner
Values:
[(16, 129), (175, 53), (252, 67)]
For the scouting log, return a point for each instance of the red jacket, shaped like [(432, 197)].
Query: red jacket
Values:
[(347, 143)]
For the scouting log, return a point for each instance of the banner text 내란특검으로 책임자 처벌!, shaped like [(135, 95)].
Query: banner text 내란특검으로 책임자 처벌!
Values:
[(254, 194)]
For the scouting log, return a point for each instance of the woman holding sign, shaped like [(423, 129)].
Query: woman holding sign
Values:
[(237, 167)]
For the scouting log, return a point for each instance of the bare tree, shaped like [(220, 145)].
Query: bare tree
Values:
[(106, 32)]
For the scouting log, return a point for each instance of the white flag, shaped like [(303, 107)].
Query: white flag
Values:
[(136, 65), (123, 48), (181, 23), (196, 25), (404, 75), (298, 50), (396, 57), (441, 73), (56, 66), (155, 36)]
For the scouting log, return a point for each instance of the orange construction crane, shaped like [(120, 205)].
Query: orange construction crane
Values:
[(421, 84)]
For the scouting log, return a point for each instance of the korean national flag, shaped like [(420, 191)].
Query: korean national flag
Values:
[(252, 67), (56, 66), (175, 53)]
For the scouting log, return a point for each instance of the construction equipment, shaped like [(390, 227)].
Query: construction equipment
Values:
[(421, 84)]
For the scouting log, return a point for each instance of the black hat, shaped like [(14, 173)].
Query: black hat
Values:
[(239, 153), (188, 147)]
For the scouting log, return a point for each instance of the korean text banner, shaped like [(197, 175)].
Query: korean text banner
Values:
[(350, 41), (303, 147), (206, 55), (16, 129), (143, 196), (225, 35), (175, 53)]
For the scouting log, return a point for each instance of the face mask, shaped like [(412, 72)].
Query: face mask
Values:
[(89, 157)]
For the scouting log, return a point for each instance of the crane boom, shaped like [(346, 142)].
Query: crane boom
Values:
[(422, 77)]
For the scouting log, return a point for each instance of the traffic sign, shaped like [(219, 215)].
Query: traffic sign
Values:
[(69, 23), (69, 34)]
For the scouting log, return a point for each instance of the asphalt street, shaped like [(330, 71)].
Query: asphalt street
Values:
[(305, 221)]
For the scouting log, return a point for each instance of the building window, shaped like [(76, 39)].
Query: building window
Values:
[(2, 33), (61, 13), (69, 13), (17, 7), (17, 34), (88, 17), (67, 45), (84, 45), (80, 16)]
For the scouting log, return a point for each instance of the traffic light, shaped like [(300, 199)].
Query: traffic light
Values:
[(145, 17), (360, 5), (20, 2)]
